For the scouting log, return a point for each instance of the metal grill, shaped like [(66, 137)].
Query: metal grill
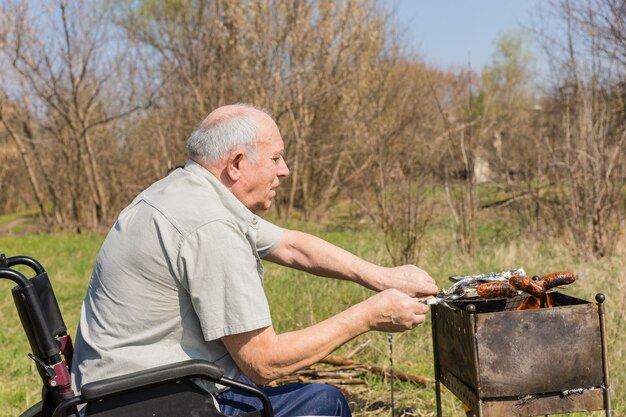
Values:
[(500, 361)]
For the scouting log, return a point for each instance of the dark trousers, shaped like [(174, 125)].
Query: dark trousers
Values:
[(293, 400)]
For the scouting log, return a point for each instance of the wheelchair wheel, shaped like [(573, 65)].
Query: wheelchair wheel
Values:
[(34, 411)]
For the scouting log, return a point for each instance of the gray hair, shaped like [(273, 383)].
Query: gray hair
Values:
[(213, 141)]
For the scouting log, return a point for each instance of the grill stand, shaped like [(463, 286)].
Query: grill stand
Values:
[(436, 358), (605, 364), (597, 398)]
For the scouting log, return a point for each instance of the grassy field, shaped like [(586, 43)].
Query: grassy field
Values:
[(299, 300)]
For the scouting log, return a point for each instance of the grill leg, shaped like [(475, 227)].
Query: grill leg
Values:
[(600, 298), (433, 314), (438, 395)]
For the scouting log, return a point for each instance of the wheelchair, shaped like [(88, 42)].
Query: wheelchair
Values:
[(166, 391)]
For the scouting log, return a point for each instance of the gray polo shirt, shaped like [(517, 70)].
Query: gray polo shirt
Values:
[(179, 269)]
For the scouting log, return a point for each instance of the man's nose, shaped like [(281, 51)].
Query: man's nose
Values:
[(283, 169)]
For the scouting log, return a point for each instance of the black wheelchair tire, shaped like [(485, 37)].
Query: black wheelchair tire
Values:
[(34, 411)]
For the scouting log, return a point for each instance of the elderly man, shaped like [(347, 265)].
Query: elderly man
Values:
[(179, 276)]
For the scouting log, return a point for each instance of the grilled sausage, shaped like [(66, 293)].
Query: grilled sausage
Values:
[(557, 278), (527, 285), (496, 289)]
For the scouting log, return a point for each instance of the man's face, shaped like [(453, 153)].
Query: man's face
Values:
[(260, 178)]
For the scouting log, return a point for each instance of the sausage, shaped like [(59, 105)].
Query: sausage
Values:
[(557, 278), (527, 285), (496, 289)]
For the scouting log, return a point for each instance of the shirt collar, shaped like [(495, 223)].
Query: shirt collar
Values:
[(228, 199)]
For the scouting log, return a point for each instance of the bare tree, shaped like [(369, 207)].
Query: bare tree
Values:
[(304, 61), (585, 134), (67, 73), (392, 173), (459, 165)]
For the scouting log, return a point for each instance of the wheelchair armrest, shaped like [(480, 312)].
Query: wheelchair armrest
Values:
[(194, 368)]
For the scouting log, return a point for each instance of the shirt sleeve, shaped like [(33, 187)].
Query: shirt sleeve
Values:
[(219, 269), (268, 237)]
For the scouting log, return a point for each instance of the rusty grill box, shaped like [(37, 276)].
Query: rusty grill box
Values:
[(502, 362)]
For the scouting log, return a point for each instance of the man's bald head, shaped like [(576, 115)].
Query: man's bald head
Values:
[(224, 129), (230, 111)]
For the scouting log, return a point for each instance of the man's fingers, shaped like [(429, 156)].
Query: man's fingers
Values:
[(426, 290), (419, 319), (395, 311), (413, 280), (422, 290)]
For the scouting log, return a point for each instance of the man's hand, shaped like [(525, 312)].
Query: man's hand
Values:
[(394, 311), (409, 279)]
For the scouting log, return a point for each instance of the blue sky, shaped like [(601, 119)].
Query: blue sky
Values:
[(444, 32)]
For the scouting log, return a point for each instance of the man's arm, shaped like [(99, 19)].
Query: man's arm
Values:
[(314, 255), (264, 355)]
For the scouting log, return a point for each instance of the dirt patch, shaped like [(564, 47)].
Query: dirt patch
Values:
[(365, 404), (21, 226)]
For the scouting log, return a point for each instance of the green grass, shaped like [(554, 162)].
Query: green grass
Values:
[(299, 300), (8, 218)]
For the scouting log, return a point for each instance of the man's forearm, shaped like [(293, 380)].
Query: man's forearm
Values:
[(316, 256), (264, 355)]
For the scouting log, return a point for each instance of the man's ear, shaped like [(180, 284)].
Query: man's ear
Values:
[(233, 169)]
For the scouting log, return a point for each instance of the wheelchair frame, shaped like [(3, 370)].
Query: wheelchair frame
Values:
[(161, 391)]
